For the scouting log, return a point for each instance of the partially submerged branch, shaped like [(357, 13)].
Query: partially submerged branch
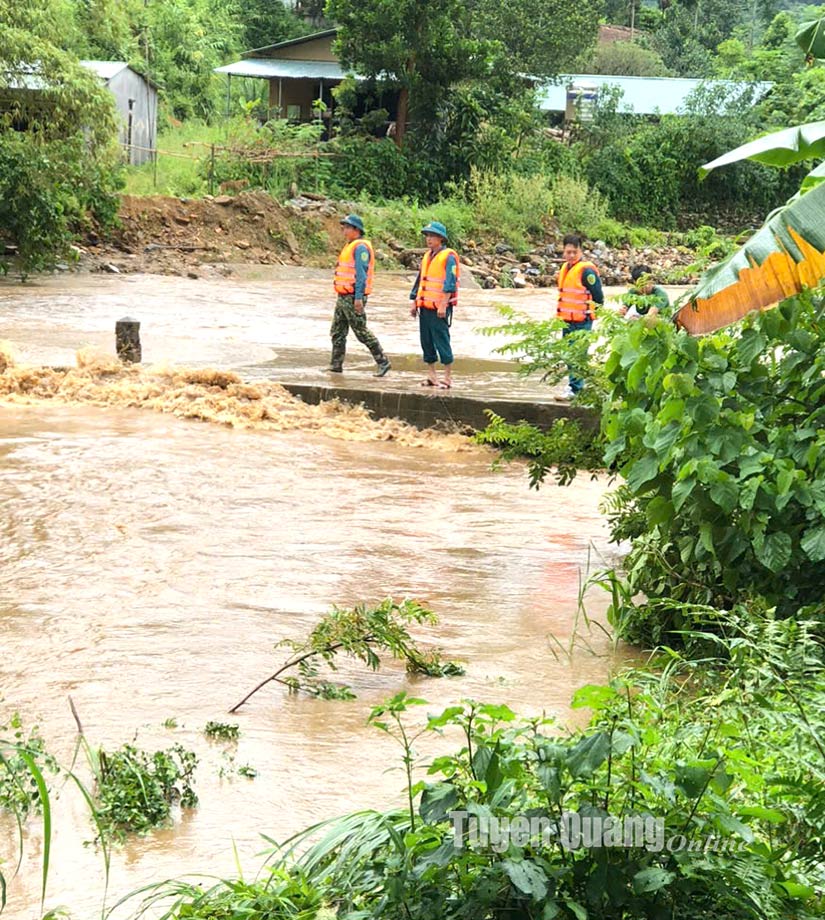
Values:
[(360, 633)]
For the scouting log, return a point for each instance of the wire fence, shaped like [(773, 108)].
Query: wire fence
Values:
[(207, 163)]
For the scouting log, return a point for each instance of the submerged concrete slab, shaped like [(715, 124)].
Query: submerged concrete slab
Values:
[(426, 409)]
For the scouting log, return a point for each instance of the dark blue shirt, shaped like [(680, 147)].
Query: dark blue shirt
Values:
[(593, 283), (362, 264)]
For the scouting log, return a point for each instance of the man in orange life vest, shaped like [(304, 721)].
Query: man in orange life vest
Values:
[(434, 295), (580, 289), (353, 284)]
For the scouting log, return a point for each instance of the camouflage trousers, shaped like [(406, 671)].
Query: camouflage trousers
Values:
[(344, 319)]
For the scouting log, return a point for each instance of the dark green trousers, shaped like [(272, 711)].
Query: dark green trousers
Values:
[(344, 319)]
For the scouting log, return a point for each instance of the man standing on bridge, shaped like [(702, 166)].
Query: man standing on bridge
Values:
[(580, 290), (434, 295), (353, 285)]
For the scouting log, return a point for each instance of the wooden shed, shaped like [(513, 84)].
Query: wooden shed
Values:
[(136, 101)]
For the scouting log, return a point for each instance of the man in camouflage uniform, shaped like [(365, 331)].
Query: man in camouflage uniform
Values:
[(353, 284)]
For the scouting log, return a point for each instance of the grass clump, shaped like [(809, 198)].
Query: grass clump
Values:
[(577, 206), (510, 207)]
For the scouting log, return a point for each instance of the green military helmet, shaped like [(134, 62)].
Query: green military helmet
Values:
[(353, 220), (437, 228)]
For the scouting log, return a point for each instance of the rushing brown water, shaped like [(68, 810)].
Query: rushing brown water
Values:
[(150, 563)]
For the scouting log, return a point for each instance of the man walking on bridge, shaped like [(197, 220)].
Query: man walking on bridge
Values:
[(353, 285)]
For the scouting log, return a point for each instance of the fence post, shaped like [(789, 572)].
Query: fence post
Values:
[(212, 170), (127, 340)]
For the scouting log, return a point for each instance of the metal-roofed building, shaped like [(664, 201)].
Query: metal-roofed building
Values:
[(136, 101), (299, 71), (640, 95)]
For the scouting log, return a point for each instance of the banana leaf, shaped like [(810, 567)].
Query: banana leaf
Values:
[(811, 38), (781, 148), (814, 178), (784, 257)]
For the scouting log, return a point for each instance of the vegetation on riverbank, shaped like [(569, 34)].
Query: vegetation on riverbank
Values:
[(700, 803), (738, 793)]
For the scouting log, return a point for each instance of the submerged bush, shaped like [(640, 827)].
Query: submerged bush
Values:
[(136, 790)]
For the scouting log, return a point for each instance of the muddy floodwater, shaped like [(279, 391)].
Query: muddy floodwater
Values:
[(149, 563)]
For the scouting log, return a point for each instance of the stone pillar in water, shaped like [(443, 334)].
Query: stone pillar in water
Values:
[(127, 340)]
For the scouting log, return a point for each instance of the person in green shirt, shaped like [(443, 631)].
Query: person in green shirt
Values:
[(645, 298)]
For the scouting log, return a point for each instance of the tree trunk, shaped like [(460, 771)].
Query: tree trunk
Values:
[(401, 117)]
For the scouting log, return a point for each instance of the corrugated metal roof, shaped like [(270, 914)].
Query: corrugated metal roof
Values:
[(640, 95), (22, 80), (105, 69), (279, 67)]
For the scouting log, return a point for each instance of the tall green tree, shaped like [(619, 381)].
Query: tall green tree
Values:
[(422, 48), (266, 22), (57, 134), (539, 37)]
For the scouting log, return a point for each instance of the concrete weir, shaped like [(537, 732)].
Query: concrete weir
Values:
[(427, 409)]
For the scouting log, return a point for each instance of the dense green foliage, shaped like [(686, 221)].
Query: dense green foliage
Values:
[(624, 59), (177, 43), (20, 747), (649, 170), (719, 441), (59, 172), (136, 790)]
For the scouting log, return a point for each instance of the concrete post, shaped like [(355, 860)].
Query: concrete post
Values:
[(127, 340)]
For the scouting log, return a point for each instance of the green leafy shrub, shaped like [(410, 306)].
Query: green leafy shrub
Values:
[(651, 176), (136, 790), (375, 168), (539, 155), (720, 442), (577, 206), (58, 168), (566, 447)]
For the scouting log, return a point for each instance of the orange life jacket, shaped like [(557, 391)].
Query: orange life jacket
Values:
[(344, 280), (433, 276), (575, 301)]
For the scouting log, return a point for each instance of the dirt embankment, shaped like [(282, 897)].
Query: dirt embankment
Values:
[(201, 236), (204, 237)]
